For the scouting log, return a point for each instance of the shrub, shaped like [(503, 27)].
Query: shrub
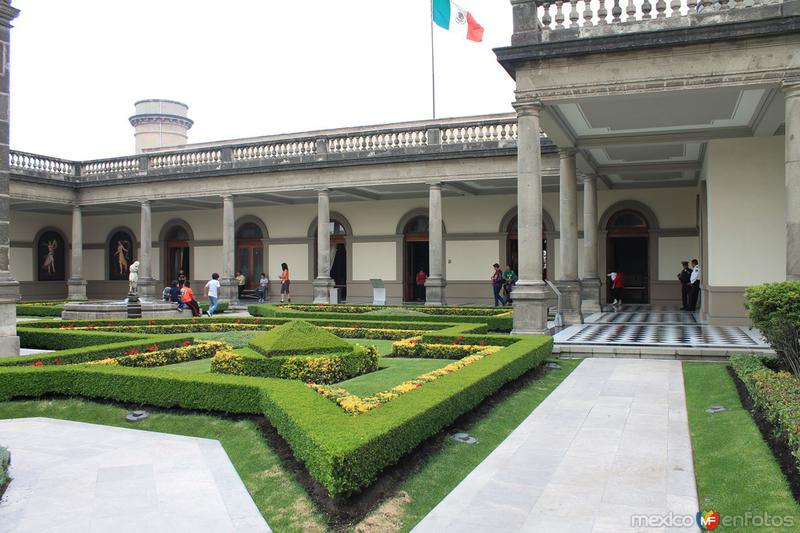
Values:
[(48, 339), (298, 338), (94, 353), (31, 309), (414, 347), (308, 368), (776, 395), (774, 309), (344, 453), (5, 460), (160, 357), (221, 306)]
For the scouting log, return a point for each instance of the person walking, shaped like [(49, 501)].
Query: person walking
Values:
[(694, 281), (285, 282), (419, 285), (617, 287), (187, 297), (212, 291), (497, 285), (263, 288), (684, 277), (240, 282)]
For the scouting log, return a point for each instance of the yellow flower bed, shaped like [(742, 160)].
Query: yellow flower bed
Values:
[(170, 356), (355, 405)]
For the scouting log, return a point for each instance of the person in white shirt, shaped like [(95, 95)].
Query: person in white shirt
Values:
[(212, 291), (263, 288), (694, 282)]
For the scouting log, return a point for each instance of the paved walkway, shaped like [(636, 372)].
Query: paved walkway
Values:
[(610, 442), (76, 477)]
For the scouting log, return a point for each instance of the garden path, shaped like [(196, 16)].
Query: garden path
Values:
[(73, 476), (612, 441)]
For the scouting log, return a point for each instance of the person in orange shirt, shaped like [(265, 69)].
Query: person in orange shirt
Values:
[(285, 282), (187, 297)]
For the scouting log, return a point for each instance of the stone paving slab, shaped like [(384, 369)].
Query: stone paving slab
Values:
[(610, 442), (72, 476)]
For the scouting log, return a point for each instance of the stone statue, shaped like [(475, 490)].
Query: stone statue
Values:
[(133, 278)]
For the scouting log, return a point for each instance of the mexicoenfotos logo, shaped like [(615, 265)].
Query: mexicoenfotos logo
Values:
[(708, 521)]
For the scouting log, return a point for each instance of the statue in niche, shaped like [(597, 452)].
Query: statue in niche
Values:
[(133, 278), (49, 264), (122, 257)]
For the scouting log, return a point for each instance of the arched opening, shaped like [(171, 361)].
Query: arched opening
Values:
[(512, 248), (415, 257), (120, 253), (627, 248), (51, 256), (177, 253), (250, 253), (338, 267)]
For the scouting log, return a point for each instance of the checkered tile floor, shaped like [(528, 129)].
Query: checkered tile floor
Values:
[(642, 325)]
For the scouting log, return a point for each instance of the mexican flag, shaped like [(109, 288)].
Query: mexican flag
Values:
[(455, 18)]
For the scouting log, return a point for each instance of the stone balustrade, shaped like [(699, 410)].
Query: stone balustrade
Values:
[(541, 21), (447, 135), (39, 164), (561, 14)]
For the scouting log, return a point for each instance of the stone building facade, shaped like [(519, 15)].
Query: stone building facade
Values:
[(636, 144)]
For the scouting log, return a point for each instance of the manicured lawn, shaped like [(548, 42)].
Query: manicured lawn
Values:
[(280, 498), (735, 469), (392, 371), (234, 338), (277, 494), (202, 366), (384, 347)]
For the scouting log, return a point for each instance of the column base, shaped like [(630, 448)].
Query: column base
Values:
[(322, 290), (229, 291), (570, 301), (530, 308), (590, 289), (76, 290), (434, 291), (9, 293), (147, 289)]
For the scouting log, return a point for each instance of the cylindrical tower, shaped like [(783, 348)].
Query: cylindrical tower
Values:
[(160, 124)]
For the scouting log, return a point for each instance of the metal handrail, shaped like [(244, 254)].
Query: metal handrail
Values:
[(559, 320)]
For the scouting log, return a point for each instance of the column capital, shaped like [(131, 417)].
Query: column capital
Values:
[(564, 153), (435, 184), (7, 13), (588, 178), (145, 202), (226, 196), (322, 190), (791, 87), (527, 106)]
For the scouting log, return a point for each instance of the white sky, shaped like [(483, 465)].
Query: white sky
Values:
[(244, 67)]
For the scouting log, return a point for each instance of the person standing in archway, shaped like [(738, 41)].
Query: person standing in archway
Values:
[(694, 280), (617, 287), (421, 278), (684, 276)]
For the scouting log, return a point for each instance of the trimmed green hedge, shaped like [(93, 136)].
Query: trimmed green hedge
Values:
[(366, 308), (308, 368), (5, 460), (776, 395), (298, 338), (95, 353), (47, 339), (221, 307), (493, 323), (345, 453), (39, 310)]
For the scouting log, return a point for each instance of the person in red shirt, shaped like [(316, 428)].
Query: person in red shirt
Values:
[(617, 286), (187, 297), (420, 286)]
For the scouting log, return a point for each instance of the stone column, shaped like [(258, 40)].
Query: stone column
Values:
[(76, 285), (530, 295), (9, 287), (568, 282), (228, 285), (323, 282), (590, 284), (792, 136), (147, 285), (435, 284)]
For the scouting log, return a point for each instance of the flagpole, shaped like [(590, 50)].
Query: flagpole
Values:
[(433, 67)]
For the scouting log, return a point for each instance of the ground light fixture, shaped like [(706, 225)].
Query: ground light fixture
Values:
[(136, 416)]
